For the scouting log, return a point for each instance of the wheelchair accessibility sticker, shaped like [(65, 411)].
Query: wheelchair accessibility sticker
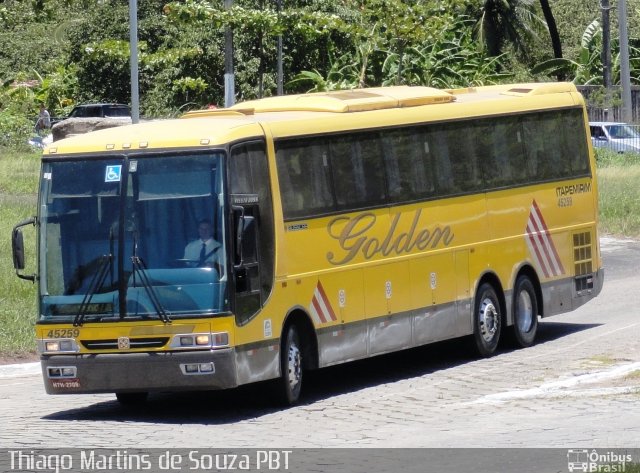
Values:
[(113, 173)]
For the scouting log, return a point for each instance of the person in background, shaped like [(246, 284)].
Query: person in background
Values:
[(44, 119)]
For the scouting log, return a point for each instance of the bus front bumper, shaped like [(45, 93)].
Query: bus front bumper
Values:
[(135, 372)]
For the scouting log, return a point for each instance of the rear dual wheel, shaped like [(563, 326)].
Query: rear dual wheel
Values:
[(525, 312)]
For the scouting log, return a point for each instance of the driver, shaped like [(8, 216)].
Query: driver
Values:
[(205, 251)]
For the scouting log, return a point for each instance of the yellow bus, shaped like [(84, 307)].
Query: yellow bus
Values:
[(297, 232)]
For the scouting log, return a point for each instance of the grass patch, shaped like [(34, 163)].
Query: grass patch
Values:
[(633, 375), (619, 192), (602, 360), (18, 188), (18, 297), (19, 172)]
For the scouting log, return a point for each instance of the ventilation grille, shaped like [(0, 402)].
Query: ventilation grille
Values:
[(583, 263), (133, 343)]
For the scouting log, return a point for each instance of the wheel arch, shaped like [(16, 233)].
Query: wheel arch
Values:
[(300, 318), (493, 279)]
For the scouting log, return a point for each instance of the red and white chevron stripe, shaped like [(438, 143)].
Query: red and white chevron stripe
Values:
[(541, 244), (320, 307)]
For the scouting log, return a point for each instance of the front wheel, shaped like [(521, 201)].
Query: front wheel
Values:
[(290, 382), (525, 312), (487, 320)]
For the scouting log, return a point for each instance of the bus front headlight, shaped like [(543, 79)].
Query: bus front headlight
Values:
[(200, 340), (58, 345)]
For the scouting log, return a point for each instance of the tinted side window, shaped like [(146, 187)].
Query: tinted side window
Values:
[(354, 171), (575, 151), (305, 178), (358, 171), (408, 165), (116, 111), (596, 131), (555, 145), (501, 150), (77, 112), (467, 175)]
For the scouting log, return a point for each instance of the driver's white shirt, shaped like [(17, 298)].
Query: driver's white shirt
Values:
[(192, 251)]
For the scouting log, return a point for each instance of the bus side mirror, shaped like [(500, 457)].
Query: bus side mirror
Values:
[(244, 228), (17, 245)]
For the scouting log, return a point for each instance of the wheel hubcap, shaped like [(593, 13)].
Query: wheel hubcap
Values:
[(489, 320), (294, 365), (524, 314)]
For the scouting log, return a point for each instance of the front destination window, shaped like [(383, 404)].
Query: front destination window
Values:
[(133, 238)]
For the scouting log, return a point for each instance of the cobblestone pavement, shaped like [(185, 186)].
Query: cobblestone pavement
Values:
[(578, 386)]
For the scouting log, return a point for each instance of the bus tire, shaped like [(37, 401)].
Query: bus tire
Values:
[(487, 320), (291, 363), (132, 399), (525, 312)]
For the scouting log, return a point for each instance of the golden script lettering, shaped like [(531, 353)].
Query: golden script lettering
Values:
[(354, 240)]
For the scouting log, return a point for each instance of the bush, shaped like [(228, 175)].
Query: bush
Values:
[(15, 130)]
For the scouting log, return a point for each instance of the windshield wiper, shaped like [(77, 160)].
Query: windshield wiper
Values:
[(138, 265), (95, 284)]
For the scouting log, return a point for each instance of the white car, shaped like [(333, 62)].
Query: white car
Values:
[(620, 137)]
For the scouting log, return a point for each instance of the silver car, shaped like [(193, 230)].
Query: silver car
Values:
[(620, 137)]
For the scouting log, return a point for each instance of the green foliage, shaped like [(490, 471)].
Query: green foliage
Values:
[(587, 68), (18, 112), (610, 158), (503, 22), (14, 130), (18, 187), (56, 89), (77, 50), (449, 61)]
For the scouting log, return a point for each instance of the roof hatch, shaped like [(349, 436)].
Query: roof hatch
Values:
[(356, 100)]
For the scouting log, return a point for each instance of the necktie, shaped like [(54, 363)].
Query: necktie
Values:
[(203, 252)]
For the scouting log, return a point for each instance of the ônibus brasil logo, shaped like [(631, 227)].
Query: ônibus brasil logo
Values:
[(593, 461)]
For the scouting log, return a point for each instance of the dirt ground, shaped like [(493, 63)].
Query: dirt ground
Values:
[(9, 359)]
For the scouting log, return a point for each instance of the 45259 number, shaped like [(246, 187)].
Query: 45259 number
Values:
[(63, 333), (565, 202)]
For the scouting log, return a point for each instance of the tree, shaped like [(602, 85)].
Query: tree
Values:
[(553, 28), (507, 21), (587, 69)]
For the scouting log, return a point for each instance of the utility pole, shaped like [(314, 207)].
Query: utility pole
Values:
[(606, 56), (229, 78), (625, 76), (280, 71), (133, 61)]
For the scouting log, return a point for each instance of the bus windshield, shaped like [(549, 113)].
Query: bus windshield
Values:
[(134, 238)]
